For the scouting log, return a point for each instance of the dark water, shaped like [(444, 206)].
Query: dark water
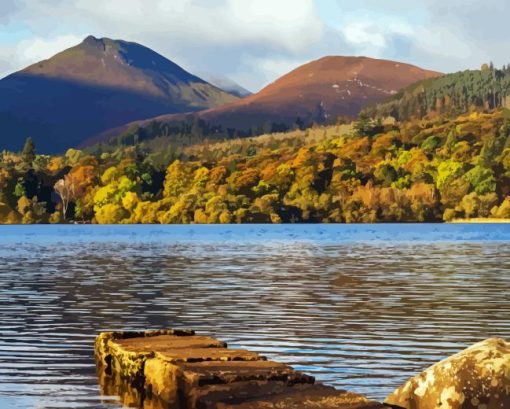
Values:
[(361, 307)]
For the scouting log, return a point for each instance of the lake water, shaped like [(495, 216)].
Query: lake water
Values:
[(362, 307)]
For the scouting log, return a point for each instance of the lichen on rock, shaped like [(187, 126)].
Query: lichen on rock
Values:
[(476, 378)]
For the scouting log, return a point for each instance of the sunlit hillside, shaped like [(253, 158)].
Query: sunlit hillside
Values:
[(427, 170)]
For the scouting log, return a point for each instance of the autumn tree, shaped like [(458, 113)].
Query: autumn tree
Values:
[(67, 189)]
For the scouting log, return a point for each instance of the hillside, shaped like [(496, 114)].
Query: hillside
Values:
[(92, 87), (451, 95), (317, 92), (426, 170)]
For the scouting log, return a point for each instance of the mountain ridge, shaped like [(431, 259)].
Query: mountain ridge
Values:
[(315, 92), (93, 86)]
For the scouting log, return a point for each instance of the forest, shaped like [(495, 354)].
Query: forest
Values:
[(451, 95), (421, 170), (448, 95)]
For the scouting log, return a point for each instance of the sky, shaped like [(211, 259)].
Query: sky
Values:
[(253, 42)]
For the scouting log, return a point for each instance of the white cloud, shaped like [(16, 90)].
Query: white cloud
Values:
[(363, 34), (36, 49), (373, 35), (253, 41), (26, 52), (201, 35), (281, 24), (443, 42)]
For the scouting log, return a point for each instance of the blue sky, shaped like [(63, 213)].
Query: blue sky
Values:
[(255, 41)]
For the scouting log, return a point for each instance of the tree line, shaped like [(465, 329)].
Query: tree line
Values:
[(451, 94), (429, 170)]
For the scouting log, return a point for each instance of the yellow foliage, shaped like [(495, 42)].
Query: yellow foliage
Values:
[(177, 178), (503, 211), (130, 200), (24, 205), (56, 163), (56, 217), (4, 178), (225, 217), (145, 212), (73, 156), (201, 176), (110, 213), (109, 175), (104, 195), (200, 216)]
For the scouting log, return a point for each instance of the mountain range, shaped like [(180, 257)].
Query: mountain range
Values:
[(317, 92), (103, 88)]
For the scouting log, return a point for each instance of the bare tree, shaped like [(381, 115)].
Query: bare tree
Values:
[(67, 190)]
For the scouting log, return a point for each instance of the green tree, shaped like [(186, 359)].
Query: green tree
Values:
[(386, 174), (28, 153), (19, 189), (481, 179)]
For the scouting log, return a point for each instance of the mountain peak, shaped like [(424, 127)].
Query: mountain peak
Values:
[(116, 63), (101, 83), (103, 44), (100, 42), (90, 39)]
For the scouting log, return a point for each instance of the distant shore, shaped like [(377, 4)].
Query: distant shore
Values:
[(480, 220)]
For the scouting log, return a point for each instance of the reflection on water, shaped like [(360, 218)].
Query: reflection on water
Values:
[(359, 314)]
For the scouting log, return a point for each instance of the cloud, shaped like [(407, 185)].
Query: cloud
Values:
[(443, 35), (393, 37), (202, 35), (37, 49), (28, 51), (7, 9), (253, 41), (363, 34)]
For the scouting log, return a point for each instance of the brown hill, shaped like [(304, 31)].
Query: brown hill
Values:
[(328, 87), (92, 87), (319, 91)]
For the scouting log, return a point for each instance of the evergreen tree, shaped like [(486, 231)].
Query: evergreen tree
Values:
[(451, 95), (28, 153)]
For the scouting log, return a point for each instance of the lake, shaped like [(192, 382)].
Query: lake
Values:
[(362, 307)]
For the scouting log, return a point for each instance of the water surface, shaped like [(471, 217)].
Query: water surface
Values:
[(362, 307)]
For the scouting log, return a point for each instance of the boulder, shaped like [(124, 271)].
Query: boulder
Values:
[(476, 378)]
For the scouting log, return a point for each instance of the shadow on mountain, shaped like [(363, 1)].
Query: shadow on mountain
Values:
[(59, 114)]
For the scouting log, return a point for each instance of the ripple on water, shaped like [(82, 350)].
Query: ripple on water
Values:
[(359, 314)]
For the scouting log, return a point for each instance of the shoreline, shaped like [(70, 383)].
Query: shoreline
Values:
[(479, 220)]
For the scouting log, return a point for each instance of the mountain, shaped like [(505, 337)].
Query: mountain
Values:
[(317, 92), (92, 87), (451, 95), (227, 85)]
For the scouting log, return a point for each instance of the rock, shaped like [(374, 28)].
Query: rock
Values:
[(204, 384), (476, 378), (180, 370), (123, 354), (176, 375), (308, 397)]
